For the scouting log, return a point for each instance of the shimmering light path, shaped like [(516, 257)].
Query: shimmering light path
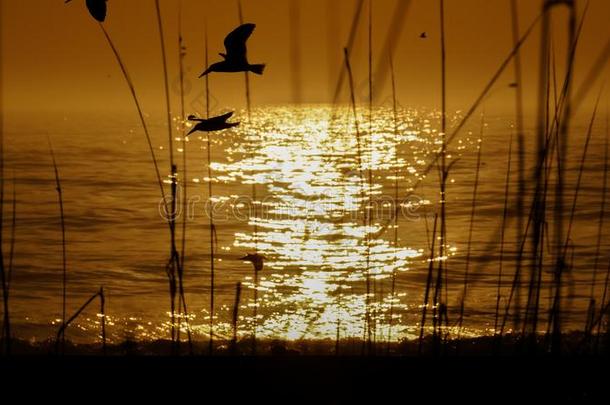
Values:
[(311, 200)]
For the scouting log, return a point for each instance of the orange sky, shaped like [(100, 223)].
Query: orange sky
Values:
[(54, 56)]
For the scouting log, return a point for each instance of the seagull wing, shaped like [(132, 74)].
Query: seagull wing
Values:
[(220, 119), (97, 9), (235, 42)]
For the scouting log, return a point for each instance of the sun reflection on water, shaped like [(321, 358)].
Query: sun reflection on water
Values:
[(311, 228), (311, 203)]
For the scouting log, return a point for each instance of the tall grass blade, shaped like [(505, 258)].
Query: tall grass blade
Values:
[(396, 173), (600, 226), (103, 318), (184, 191), (502, 238), (235, 317), (371, 335), (521, 181), (422, 325), (366, 328), (473, 208), (211, 211), (555, 314), (173, 266), (6, 320), (9, 271), (63, 240), (62, 329)]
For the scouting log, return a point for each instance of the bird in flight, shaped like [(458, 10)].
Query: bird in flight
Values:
[(255, 259), (97, 9), (423, 35), (212, 124), (235, 59)]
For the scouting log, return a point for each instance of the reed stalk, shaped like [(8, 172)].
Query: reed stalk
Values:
[(396, 173), (564, 132), (556, 308), (103, 318), (371, 333), (562, 140), (600, 225), (541, 166), (181, 55), (136, 101), (6, 271), (593, 75), (254, 202), (148, 138), (350, 43), (521, 182), (211, 212), (442, 272), (61, 331), (255, 326), (542, 171), (544, 131), (502, 238), (602, 214), (63, 240), (473, 208), (603, 310), (9, 271), (6, 320), (184, 191), (174, 272), (348, 66), (236, 316), (428, 287), (475, 105)]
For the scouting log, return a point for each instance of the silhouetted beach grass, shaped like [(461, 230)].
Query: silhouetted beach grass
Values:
[(574, 344), (64, 272), (542, 258)]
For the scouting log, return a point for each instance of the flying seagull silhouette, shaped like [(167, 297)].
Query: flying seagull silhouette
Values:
[(255, 259), (212, 124), (97, 9), (423, 35), (235, 59)]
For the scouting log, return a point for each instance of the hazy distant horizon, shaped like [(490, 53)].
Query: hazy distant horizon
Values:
[(54, 57)]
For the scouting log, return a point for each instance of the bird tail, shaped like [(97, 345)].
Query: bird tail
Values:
[(258, 69), (232, 124), (191, 131)]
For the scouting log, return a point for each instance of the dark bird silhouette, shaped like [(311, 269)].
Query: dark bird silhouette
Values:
[(513, 85), (235, 60), (97, 9), (212, 124), (423, 35), (255, 259)]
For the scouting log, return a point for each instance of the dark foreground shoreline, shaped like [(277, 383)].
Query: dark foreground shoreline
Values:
[(571, 344), (318, 379), (481, 369)]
